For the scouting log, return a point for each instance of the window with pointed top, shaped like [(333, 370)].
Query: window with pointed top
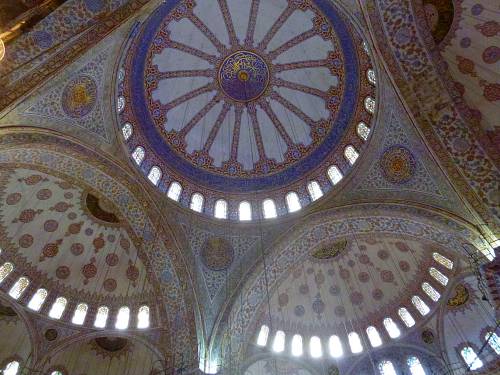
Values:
[(363, 131), (138, 155), (351, 154), (438, 276), (392, 328), (122, 318), (314, 190), (470, 358), (37, 300), (279, 342), (220, 211), (12, 368), (293, 202), (406, 317), (415, 366), (58, 308), (386, 368), (120, 105), (80, 314), (19, 287), (127, 130), (5, 270), (315, 347), (445, 262), (430, 291), (245, 211), (154, 175), (372, 78), (493, 341), (174, 191), (56, 373), (334, 174), (197, 201), (373, 336), (370, 105), (335, 347), (269, 209), (297, 347), (101, 317), (263, 335), (420, 305), (355, 343), (143, 317)]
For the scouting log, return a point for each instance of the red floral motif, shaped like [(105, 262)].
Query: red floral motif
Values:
[(492, 92), (68, 195), (364, 259), (74, 228), (27, 215), (489, 29), (344, 274), (363, 277), (109, 285), (61, 207), (383, 254), (387, 276), (50, 250), (50, 226), (491, 55), (132, 272), (356, 298), (89, 271), (98, 243), (404, 266), (63, 272), (466, 66), (44, 194), (64, 185), (402, 246), (377, 294), (13, 198), (112, 259), (460, 88), (33, 179), (125, 244), (26, 240), (77, 249)]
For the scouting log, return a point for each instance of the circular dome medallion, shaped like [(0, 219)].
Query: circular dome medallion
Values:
[(243, 76)]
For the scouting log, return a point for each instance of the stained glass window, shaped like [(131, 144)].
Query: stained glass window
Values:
[(101, 317), (279, 342), (293, 202), (138, 155), (420, 305), (442, 279), (263, 335), (335, 346), (351, 154), (80, 313), (314, 190), (127, 130), (334, 174), (430, 291), (220, 211), (443, 260), (174, 191), (363, 131), (370, 104), (392, 328), (5, 270), (386, 368), (56, 373), (370, 74), (12, 368), (143, 317), (493, 341), (245, 211), (38, 299), (269, 209), (406, 317), (373, 336), (471, 359), (415, 366), (355, 343), (120, 104), (315, 347), (19, 287), (297, 349), (121, 74), (197, 201), (122, 318), (154, 175), (58, 307)]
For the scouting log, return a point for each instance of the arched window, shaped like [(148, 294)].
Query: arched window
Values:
[(122, 318), (415, 366), (138, 155), (279, 342), (174, 191), (263, 335), (58, 307), (314, 190), (56, 373), (471, 359), (335, 347), (334, 174), (269, 209), (297, 349), (370, 105), (120, 105), (370, 74), (80, 313), (154, 175), (420, 305), (127, 130), (220, 211), (363, 131), (445, 262), (5, 270), (373, 336), (355, 343), (442, 279), (392, 328), (386, 368), (11, 369), (493, 341), (101, 317), (197, 202), (430, 291), (315, 347), (19, 287), (351, 154), (245, 211), (37, 300), (143, 317), (293, 202), (406, 317)]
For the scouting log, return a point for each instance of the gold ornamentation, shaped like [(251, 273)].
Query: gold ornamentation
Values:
[(2, 49), (461, 296), (331, 251)]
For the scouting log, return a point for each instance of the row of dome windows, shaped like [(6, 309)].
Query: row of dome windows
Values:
[(58, 307)]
